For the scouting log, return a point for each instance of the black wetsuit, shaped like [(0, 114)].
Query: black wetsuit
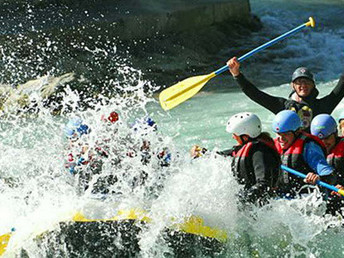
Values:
[(259, 175), (307, 109)]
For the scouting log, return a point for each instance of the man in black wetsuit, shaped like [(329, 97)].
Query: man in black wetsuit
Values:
[(255, 161), (303, 99)]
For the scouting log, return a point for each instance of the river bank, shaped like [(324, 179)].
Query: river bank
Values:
[(165, 41)]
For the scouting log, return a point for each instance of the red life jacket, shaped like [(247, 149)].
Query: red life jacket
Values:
[(242, 166), (245, 149), (336, 157), (293, 158)]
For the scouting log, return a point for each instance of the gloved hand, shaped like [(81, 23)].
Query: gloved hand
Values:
[(197, 151)]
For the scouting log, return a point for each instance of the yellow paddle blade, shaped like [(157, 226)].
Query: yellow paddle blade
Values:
[(4, 239), (182, 91)]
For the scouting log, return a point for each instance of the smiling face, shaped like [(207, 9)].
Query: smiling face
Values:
[(286, 139), (329, 142), (303, 86)]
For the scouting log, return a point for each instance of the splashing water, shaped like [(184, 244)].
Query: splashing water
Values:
[(37, 191)]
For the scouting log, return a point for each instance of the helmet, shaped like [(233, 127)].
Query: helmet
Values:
[(302, 72), (83, 129), (113, 117), (244, 123), (323, 125), (144, 125), (150, 122), (286, 121), (75, 125), (341, 116)]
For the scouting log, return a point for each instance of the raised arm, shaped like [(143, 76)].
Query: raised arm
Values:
[(272, 103), (336, 95)]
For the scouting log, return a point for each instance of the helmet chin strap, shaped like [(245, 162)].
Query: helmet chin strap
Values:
[(296, 134), (243, 140), (297, 94)]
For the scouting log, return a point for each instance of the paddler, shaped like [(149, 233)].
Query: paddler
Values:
[(78, 153), (300, 151), (303, 98), (341, 123), (324, 126), (255, 161)]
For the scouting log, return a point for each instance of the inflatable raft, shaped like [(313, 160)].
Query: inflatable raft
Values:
[(119, 237)]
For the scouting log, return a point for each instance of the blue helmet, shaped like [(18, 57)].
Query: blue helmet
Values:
[(75, 125), (286, 121), (323, 125), (149, 121), (144, 125)]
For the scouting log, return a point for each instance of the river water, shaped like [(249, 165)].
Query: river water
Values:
[(36, 191)]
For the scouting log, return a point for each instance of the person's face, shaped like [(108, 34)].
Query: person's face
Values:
[(145, 145), (237, 138), (330, 142), (286, 139), (341, 127), (303, 86), (74, 138)]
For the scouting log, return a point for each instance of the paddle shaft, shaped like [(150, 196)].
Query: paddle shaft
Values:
[(264, 46), (183, 90), (321, 183)]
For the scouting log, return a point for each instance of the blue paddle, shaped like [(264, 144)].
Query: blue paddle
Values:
[(321, 183), (183, 90)]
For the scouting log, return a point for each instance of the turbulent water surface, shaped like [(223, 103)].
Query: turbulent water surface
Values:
[(37, 192)]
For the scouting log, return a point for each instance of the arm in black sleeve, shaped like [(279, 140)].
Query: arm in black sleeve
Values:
[(228, 153), (272, 103), (262, 171), (336, 95)]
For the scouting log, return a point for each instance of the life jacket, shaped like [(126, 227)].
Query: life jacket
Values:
[(336, 158), (293, 158), (302, 110), (242, 166)]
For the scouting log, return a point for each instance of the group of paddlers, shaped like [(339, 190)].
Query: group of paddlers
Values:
[(307, 140), (114, 150)]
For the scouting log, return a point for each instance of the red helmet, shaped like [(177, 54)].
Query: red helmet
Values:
[(113, 117)]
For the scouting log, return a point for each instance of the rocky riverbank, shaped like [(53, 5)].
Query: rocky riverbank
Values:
[(166, 40)]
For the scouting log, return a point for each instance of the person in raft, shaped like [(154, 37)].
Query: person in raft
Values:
[(341, 123), (255, 161), (78, 155), (303, 98), (300, 151), (325, 127)]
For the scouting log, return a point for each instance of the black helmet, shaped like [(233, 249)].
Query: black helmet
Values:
[(302, 72)]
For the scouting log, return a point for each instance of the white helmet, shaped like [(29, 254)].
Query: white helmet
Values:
[(244, 123)]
